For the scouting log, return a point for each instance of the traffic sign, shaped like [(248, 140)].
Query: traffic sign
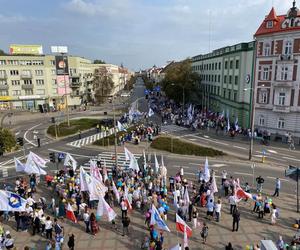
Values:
[(157, 88), (146, 92), (61, 155)]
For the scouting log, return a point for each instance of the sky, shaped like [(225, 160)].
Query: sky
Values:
[(135, 33)]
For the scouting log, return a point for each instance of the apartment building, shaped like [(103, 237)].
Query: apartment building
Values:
[(226, 80), (27, 81), (277, 74)]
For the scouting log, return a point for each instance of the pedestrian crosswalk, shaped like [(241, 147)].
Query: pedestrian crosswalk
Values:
[(92, 138), (109, 159), (172, 128)]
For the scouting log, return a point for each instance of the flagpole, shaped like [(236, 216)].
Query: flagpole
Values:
[(115, 132)]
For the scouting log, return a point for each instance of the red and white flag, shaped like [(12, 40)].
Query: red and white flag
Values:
[(180, 224), (105, 210), (126, 198), (70, 214)]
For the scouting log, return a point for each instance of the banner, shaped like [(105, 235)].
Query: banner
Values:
[(63, 85), (62, 67), (18, 49)]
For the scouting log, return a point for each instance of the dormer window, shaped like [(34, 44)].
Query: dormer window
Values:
[(269, 24)]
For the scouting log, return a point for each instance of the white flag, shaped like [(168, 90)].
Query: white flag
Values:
[(213, 187), (70, 162), (84, 180), (145, 160), (134, 164), (120, 126), (11, 202), (186, 197), (128, 154), (162, 160), (105, 176), (116, 192), (38, 160), (20, 167), (104, 210), (94, 171), (156, 165), (31, 167), (177, 247), (206, 174)]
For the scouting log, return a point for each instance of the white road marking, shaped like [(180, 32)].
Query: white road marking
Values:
[(25, 135), (240, 173), (219, 165), (274, 178), (177, 166), (289, 158), (206, 136), (189, 173), (272, 151), (193, 139), (59, 151), (210, 140), (239, 147)]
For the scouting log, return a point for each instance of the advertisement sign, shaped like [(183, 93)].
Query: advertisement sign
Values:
[(63, 84), (18, 49), (59, 49), (62, 67), (5, 98)]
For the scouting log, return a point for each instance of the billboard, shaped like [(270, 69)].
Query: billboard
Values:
[(59, 49), (18, 49), (62, 67), (63, 85)]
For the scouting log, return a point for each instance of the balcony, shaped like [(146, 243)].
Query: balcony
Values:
[(4, 87), (282, 109), (283, 84), (27, 86), (3, 76), (26, 75)]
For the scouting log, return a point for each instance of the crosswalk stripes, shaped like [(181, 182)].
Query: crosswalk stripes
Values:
[(172, 128), (108, 157), (91, 139)]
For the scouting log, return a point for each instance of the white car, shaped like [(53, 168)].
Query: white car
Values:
[(125, 94)]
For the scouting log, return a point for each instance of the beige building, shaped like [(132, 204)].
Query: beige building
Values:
[(26, 82)]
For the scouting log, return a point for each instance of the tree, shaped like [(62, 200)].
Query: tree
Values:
[(98, 61), (2, 53), (130, 83), (148, 82), (7, 140), (180, 82), (102, 84)]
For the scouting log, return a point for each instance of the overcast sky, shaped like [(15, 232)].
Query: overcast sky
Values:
[(137, 33)]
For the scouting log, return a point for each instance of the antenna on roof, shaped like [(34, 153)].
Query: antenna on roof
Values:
[(294, 3)]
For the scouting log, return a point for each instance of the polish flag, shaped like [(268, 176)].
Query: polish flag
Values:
[(126, 198), (70, 214), (180, 225)]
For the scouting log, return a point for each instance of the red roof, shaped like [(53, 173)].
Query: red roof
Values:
[(277, 24)]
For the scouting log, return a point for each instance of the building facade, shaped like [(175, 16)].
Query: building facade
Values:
[(277, 74), (226, 80), (28, 81)]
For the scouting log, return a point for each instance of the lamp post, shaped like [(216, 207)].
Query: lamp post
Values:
[(252, 118)]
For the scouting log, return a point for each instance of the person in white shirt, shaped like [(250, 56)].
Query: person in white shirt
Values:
[(224, 176), (232, 202), (86, 219), (48, 228), (218, 207), (124, 208), (181, 173)]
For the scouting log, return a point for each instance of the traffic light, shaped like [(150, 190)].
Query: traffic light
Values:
[(146, 96), (52, 157), (20, 141)]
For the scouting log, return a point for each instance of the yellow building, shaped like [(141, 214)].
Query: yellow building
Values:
[(30, 81)]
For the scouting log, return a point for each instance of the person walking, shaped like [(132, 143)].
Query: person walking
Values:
[(71, 242), (236, 219), (94, 224), (277, 187), (124, 208), (232, 202), (229, 246), (125, 222), (259, 183), (204, 233), (195, 217), (86, 219), (48, 228), (218, 207)]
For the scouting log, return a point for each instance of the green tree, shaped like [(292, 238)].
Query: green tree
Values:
[(7, 140), (180, 82), (147, 82), (98, 61), (130, 83), (2, 53), (102, 84)]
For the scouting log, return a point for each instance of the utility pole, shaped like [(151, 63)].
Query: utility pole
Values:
[(115, 131), (66, 94)]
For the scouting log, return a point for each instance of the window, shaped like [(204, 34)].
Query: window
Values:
[(229, 94), (216, 66), (281, 99), (213, 66), (267, 49), (54, 91), (215, 78), (37, 62), (2, 73), (13, 62), (14, 72), (225, 79), (53, 72), (209, 67), (52, 62), (288, 48), (230, 79), (40, 92), (226, 64), (237, 64), (3, 93), (263, 96), (2, 62), (235, 96), (3, 82), (265, 75), (28, 92), (39, 82), (26, 73), (281, 123), (39, 72), (269, 24), (284, 73), (27, 82), (231, 64), (219, 78), (54, 81), (219, 65), (15, 82), (25, 62), (261, 121), (224, 93), (236, 80), (16, 92)]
